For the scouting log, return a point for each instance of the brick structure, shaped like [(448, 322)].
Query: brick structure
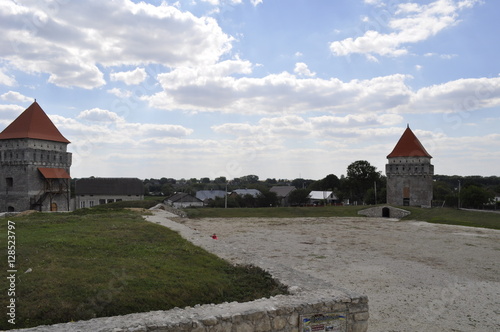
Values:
[(409, 173), (34, 164)]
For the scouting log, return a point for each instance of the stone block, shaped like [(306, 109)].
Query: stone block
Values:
[(361, 316), (210, 321), (242, 327), (263, 324), (278, 323), (361, 326), (293, 319)]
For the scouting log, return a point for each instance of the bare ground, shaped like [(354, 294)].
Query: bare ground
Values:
[(418, 276)]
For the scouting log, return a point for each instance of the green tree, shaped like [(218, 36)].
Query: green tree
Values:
[(267, 199), (475, 197), (299, 197), (330, 182), (441, 190), (361, 176)]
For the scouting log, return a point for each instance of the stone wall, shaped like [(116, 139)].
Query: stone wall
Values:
[(384, 211), (278, 314)]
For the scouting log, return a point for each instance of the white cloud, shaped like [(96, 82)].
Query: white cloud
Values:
[(463, 95), (212, 2), (198, 90), (155, 130), (6, 79), (412, 23), (120, 93), (99, 115), (70, 41), (373, 2), (210, 90), (15, 97), (9, 111), (136, 76), (302, 69), (275, 128)]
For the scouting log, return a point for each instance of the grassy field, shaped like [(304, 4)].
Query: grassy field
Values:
[(455, 217), (276, 212), (434, 215), (104, 262)]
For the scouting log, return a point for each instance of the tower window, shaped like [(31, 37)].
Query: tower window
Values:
[(9, 182)]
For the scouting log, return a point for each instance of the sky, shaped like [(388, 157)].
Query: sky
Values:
[(280, 89)]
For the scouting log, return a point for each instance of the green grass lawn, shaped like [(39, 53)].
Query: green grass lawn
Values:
[(452, 216), (276, 212), (98, 262), (434, 215)]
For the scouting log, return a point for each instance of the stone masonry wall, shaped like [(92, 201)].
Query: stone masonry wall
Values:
[(377, 212), (277, 314)]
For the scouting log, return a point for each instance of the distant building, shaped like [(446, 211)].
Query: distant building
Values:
[(207, 195), (319, 197), (181, 200), (409, 173), (283, 193), (242, 192), (34, 164), (90, 192)]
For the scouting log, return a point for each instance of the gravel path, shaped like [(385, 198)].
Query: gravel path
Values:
[(418, 276)]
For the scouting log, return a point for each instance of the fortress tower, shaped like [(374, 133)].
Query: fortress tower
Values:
[(409, 173), (34, 164)]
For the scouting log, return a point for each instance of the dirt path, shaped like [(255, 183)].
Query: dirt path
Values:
[(418, 276)]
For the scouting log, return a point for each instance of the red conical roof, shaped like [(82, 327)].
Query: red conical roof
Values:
[(33, 123), (409, 146)]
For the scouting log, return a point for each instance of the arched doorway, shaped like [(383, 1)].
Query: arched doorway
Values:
[(10, 209), (53, 207), (386, 212)]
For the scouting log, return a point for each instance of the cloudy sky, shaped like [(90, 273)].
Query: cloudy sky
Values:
[(275, 88)]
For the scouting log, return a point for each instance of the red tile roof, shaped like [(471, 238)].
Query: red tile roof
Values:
[(33, 123), (409, 146), (54, 173)]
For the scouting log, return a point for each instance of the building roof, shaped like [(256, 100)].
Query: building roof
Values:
[(182, 198), (54, 173), (282, 191), (209, 194), (33, 123), (322, 195), (109, 186), (409, 146), (242, 192)]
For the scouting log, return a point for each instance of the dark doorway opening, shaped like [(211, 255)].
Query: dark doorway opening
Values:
[(386, 212)]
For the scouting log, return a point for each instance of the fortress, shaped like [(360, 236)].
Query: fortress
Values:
[(34, 164), (409, 173)]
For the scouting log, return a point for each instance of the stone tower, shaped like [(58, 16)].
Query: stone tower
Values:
[(409, 173), (34, 164)]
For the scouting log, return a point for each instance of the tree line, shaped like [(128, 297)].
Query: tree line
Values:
[(362, 184)]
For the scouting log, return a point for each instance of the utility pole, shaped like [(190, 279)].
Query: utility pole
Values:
[(459, 194), (375, 185), (225, 198)]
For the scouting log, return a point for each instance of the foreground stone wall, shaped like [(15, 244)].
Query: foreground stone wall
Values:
[(278, 314)]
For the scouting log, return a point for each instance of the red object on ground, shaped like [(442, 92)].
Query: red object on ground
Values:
[(214, 236)]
